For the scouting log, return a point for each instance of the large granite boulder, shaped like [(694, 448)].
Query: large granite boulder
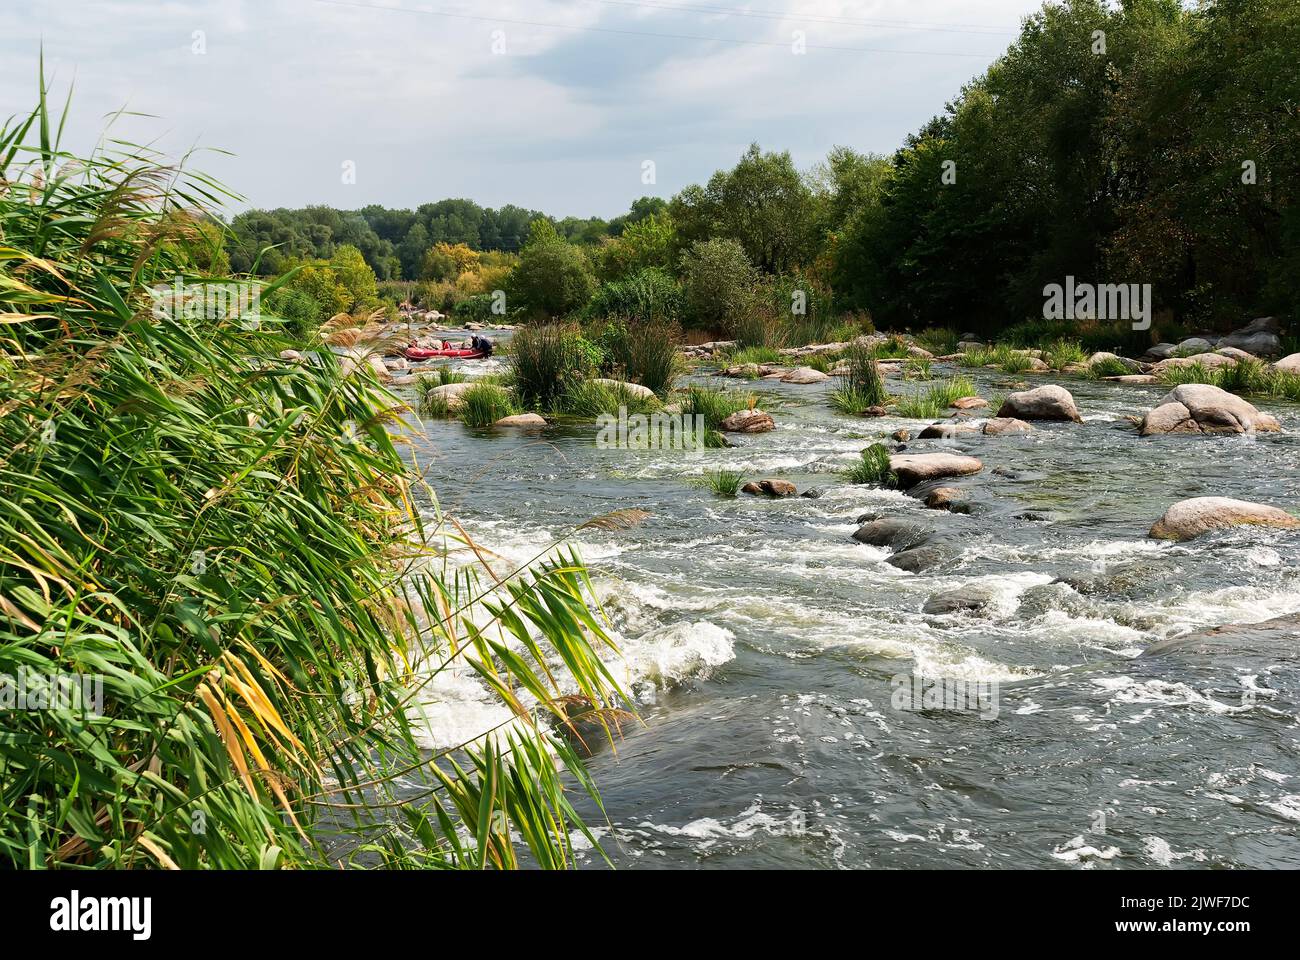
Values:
[(914, 468), (1191, 518), (1204, 408), (1048, 402)]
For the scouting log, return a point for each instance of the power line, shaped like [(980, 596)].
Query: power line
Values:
[(778, 15), (643, 33)]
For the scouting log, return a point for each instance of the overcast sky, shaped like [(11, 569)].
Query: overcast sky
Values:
[(563, 120)]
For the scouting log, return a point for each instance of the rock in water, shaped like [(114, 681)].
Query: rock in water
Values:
[(946, 431), (914, 468), (770, 488), (969, 403), (1191, 518), (1048, 402), (804, 375), (521, 420), (748, 421), (451, 392), (971, 598), (1000, 426), (947, 498), (1203, 408)]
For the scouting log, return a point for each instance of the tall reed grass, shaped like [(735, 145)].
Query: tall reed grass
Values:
[(229, 544)]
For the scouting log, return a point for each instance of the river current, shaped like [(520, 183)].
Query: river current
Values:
[(766, 649)]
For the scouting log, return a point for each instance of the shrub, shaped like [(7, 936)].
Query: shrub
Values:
[(1062, 353), (940, 341), (754, 355), (589, 400), (1013, 361), (647, 295), (861, 386), (484, 404), (715, 406), (643, 352), (229, 543), (551, 279), (725, 483), (1196, 372), (873, 468), (546, 361), (718, 284), (1107, 367)]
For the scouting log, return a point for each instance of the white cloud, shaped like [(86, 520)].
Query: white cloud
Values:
[(426, 110)]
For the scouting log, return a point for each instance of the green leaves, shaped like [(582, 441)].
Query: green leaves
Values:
[(229, 544)]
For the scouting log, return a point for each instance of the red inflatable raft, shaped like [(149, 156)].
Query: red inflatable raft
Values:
[(425, 353)]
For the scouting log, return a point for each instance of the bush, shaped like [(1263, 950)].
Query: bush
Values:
[(715, 406), (1062, 353), (719, 285), (725, 483), (546, 361), (648, 295), (552, 279), (873, 468), (229, 543), (484, 404), (1107, 367), (588, 400), (642, 352), (941, 341), (862, 386)]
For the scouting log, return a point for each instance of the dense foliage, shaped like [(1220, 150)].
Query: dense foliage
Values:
[(1133, 143), (226, 545)]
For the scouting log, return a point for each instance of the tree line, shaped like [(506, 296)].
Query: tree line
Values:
[(1138, 143)]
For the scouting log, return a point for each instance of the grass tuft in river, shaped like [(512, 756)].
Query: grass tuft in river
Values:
[(872, 468)]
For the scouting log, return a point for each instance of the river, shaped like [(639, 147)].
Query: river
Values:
[(764, 646)]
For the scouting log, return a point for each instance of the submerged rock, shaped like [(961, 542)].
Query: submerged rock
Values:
[(1265, 637), (1191, 518), (812, 493), (1204, 408), (748, 421), (893, 532), (952, 499), (971, 598), (1048, 402), (914, 468)]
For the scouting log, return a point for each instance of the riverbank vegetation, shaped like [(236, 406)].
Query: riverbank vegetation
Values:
[(1139, 143), (228, 544)]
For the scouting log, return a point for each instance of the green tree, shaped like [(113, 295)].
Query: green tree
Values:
[(719, 284), (552, 277), (763, 203)]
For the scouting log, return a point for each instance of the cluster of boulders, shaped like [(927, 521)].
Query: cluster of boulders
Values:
[(1260, 338), (1203, 408)]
